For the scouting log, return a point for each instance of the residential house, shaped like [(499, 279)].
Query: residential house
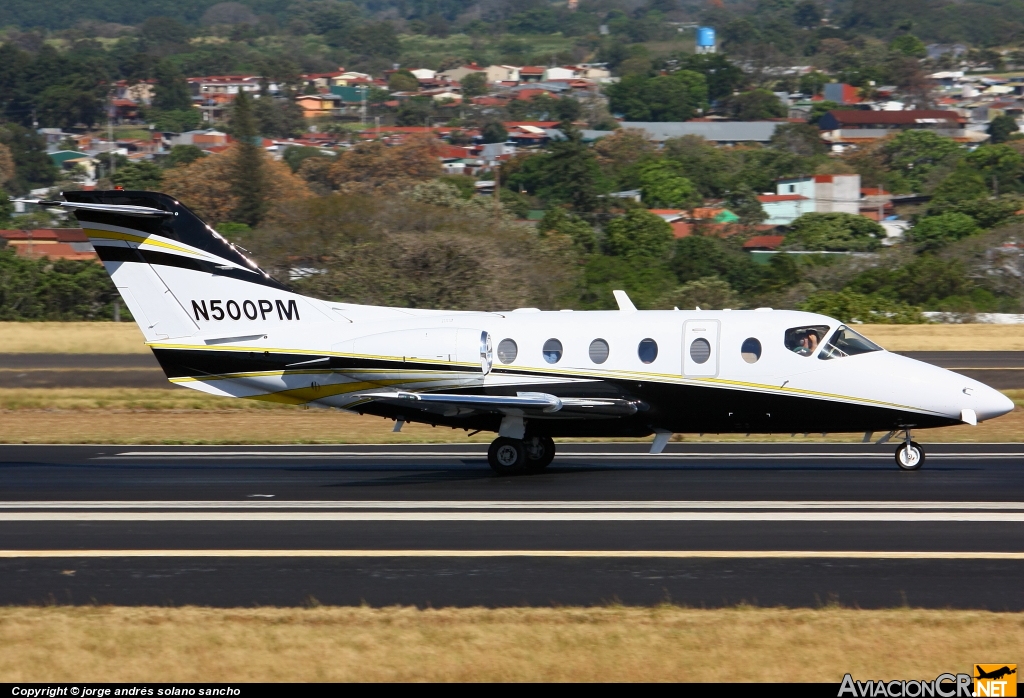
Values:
[(458, 74), (796, 196), (841, 93), (53, 243), (502, 73), (202, 138), (861, 125), (560, 74), (314, 106), (532, 73)]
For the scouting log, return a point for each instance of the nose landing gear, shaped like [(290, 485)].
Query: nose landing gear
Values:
[(909, 454), (513, 456)]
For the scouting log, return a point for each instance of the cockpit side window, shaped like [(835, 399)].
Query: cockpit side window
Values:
[(805, 340), (846, 342)]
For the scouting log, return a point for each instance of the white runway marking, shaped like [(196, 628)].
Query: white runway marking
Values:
[(491, 505), (665, 554), (575, 455), (521, 516)]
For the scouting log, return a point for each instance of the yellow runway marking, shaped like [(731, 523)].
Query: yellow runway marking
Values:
[(664, 554)]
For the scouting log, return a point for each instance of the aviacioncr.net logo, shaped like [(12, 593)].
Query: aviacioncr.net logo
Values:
[(942, 686)]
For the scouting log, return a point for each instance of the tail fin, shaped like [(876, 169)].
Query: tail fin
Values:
[(176, 274)]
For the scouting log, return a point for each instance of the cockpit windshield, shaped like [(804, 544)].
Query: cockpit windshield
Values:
[(846, 342), (805, 340)]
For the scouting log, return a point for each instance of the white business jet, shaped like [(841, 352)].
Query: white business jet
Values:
[(219, 324)]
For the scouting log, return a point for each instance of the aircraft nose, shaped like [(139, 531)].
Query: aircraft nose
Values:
[(989, 403)]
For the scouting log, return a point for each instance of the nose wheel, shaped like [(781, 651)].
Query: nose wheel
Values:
[(513, 456), (909, 455)]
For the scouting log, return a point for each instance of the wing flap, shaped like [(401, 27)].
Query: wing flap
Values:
[(537, 404)]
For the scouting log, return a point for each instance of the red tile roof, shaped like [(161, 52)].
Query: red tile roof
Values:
[(772, 198), (764, 242), (860, 117)]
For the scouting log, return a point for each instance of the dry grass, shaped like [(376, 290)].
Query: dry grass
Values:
[(135, 416), (125, 337), (946, 337), (71, 338), (517, 644)]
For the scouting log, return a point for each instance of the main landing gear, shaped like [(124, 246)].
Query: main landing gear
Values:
[(513, 456)]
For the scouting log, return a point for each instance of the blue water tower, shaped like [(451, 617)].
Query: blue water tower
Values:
[(705, 39)]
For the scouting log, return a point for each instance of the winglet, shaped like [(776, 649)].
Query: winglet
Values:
[(625, 305)]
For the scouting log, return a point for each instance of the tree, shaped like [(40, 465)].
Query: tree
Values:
[(557, 221), (139, 176), (32, 166), (756, 105), (567, 174), (403, 81), (663, 188), (999, 165), (7, 169), (808, 14), (698, 256), (373, 166), (415, 111), (849, 306), (248, 178), (639, 233), (912, 155), (183, 155), (493, 132), (474, 85), (799, 139), (908, 45), (171, 91), (936, 231), (1001, 128), (67, 107), (206, 185), (6, 207), (962, 184), (835, 232), (295, 155), (722, 75), (278, 118), (745, 204), (675, 97), (623, 149), (708, 293), (820, 109)]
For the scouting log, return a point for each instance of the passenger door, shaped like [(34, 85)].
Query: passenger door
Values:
[(700, 348)]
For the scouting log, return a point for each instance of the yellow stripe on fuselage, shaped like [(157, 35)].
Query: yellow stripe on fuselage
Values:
[(568, 373)]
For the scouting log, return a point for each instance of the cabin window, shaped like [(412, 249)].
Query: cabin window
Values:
[(805, 340), (599, 351), (700, 350), (750, 350), (647, 351), (552, 351), (846, 342), (507, 351)]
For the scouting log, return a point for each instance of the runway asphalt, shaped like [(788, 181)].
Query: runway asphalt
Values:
[(1000, 369), (702, 525)]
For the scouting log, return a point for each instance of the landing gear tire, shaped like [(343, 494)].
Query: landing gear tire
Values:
[(507, 456), (540, 451), (910, 456)]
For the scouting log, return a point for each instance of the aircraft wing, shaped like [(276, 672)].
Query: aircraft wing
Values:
[(536, 404)]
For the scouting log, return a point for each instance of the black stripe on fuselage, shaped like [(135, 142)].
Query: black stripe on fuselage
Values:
[(117, 253), (681, 408)]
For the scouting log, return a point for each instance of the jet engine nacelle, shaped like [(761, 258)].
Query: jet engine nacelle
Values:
[(430, 345)]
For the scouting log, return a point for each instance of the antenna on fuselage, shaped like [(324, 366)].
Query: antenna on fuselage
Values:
[(625, 305)]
